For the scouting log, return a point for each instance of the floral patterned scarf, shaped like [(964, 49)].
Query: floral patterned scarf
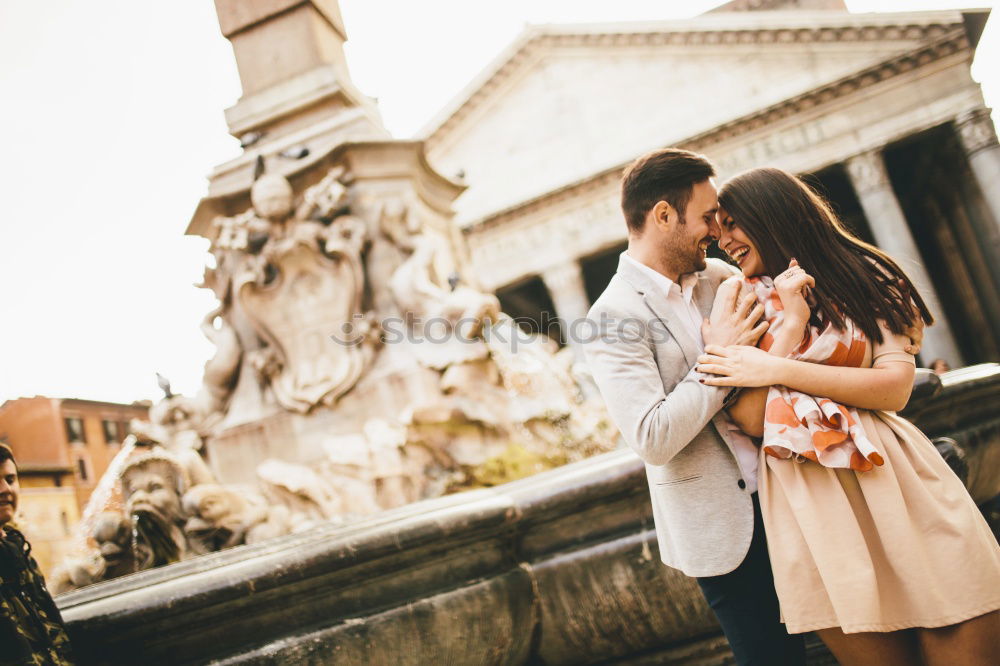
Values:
[(801, 426)]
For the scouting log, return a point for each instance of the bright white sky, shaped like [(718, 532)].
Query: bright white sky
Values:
[(111, 114)]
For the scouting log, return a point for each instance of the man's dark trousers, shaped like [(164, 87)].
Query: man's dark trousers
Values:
[(747, 607)]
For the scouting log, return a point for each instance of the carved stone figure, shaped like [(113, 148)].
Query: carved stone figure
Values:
[(271, 196), (113, 535), (172, 426), (399, 223), (446, 321), (327, 200), (397, 469), (348, 468), (300, 489), (152, 486), (76, 572), (422, 293), (233, 233), (223, 517), (223, 368), (145, 537)]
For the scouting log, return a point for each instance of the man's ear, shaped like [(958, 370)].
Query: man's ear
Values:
[(663, 215)]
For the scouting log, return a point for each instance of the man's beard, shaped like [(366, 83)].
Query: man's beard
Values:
[(699, 260), (685, 260)]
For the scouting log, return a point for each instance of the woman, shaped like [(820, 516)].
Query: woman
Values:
[(874, 542)]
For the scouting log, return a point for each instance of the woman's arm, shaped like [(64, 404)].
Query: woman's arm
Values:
[(886, 385), (747, 411)]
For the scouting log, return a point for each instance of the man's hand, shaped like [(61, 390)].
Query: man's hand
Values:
[(916, 335), (915, 332), (732, 324)]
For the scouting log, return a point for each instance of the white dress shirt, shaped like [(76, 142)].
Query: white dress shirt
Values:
[(682, 306)]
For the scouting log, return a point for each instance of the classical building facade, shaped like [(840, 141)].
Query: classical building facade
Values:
[(879, 111)]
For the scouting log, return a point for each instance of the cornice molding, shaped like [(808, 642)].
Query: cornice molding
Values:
[(397, 158), (952, 42), (537, 38)]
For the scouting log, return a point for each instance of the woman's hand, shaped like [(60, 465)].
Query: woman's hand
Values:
[(738, 365), (793, 289)]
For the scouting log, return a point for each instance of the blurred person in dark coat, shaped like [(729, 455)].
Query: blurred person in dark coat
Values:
[(31, 628)]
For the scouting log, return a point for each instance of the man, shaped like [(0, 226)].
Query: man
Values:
[(701, 470), (31, 629)]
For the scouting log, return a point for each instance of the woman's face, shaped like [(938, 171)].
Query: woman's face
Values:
[(737, 245)]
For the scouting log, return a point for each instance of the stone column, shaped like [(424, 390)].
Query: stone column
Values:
[(979, 138), (892, 234), (569, 295)]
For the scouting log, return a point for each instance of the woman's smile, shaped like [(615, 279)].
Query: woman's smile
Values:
[(734, 242), (739, 253)]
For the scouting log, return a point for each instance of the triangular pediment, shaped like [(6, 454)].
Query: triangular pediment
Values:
[(565, 102)]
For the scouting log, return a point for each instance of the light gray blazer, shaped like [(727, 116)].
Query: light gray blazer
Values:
[(643, 360)]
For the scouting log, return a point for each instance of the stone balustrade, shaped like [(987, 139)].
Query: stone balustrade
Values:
[(558, 568)]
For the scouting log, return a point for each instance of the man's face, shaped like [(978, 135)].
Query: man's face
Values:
[(9, 489), (687, 242)]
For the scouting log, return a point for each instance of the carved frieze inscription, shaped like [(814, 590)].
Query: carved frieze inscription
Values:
[(772, 147)]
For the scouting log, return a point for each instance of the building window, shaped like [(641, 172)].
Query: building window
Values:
[(112, 431), (81, 468), (74, 429)]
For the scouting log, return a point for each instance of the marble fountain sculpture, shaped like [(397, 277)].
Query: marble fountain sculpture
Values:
[(357, 368)]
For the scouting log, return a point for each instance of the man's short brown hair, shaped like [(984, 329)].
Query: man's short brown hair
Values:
[(662, 175)]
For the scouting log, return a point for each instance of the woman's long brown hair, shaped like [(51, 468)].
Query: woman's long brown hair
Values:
[(785, 218)]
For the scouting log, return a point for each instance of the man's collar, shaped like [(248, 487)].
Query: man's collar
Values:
[(661, 282)]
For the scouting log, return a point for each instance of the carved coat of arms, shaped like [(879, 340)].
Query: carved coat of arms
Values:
[(300, 284)]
